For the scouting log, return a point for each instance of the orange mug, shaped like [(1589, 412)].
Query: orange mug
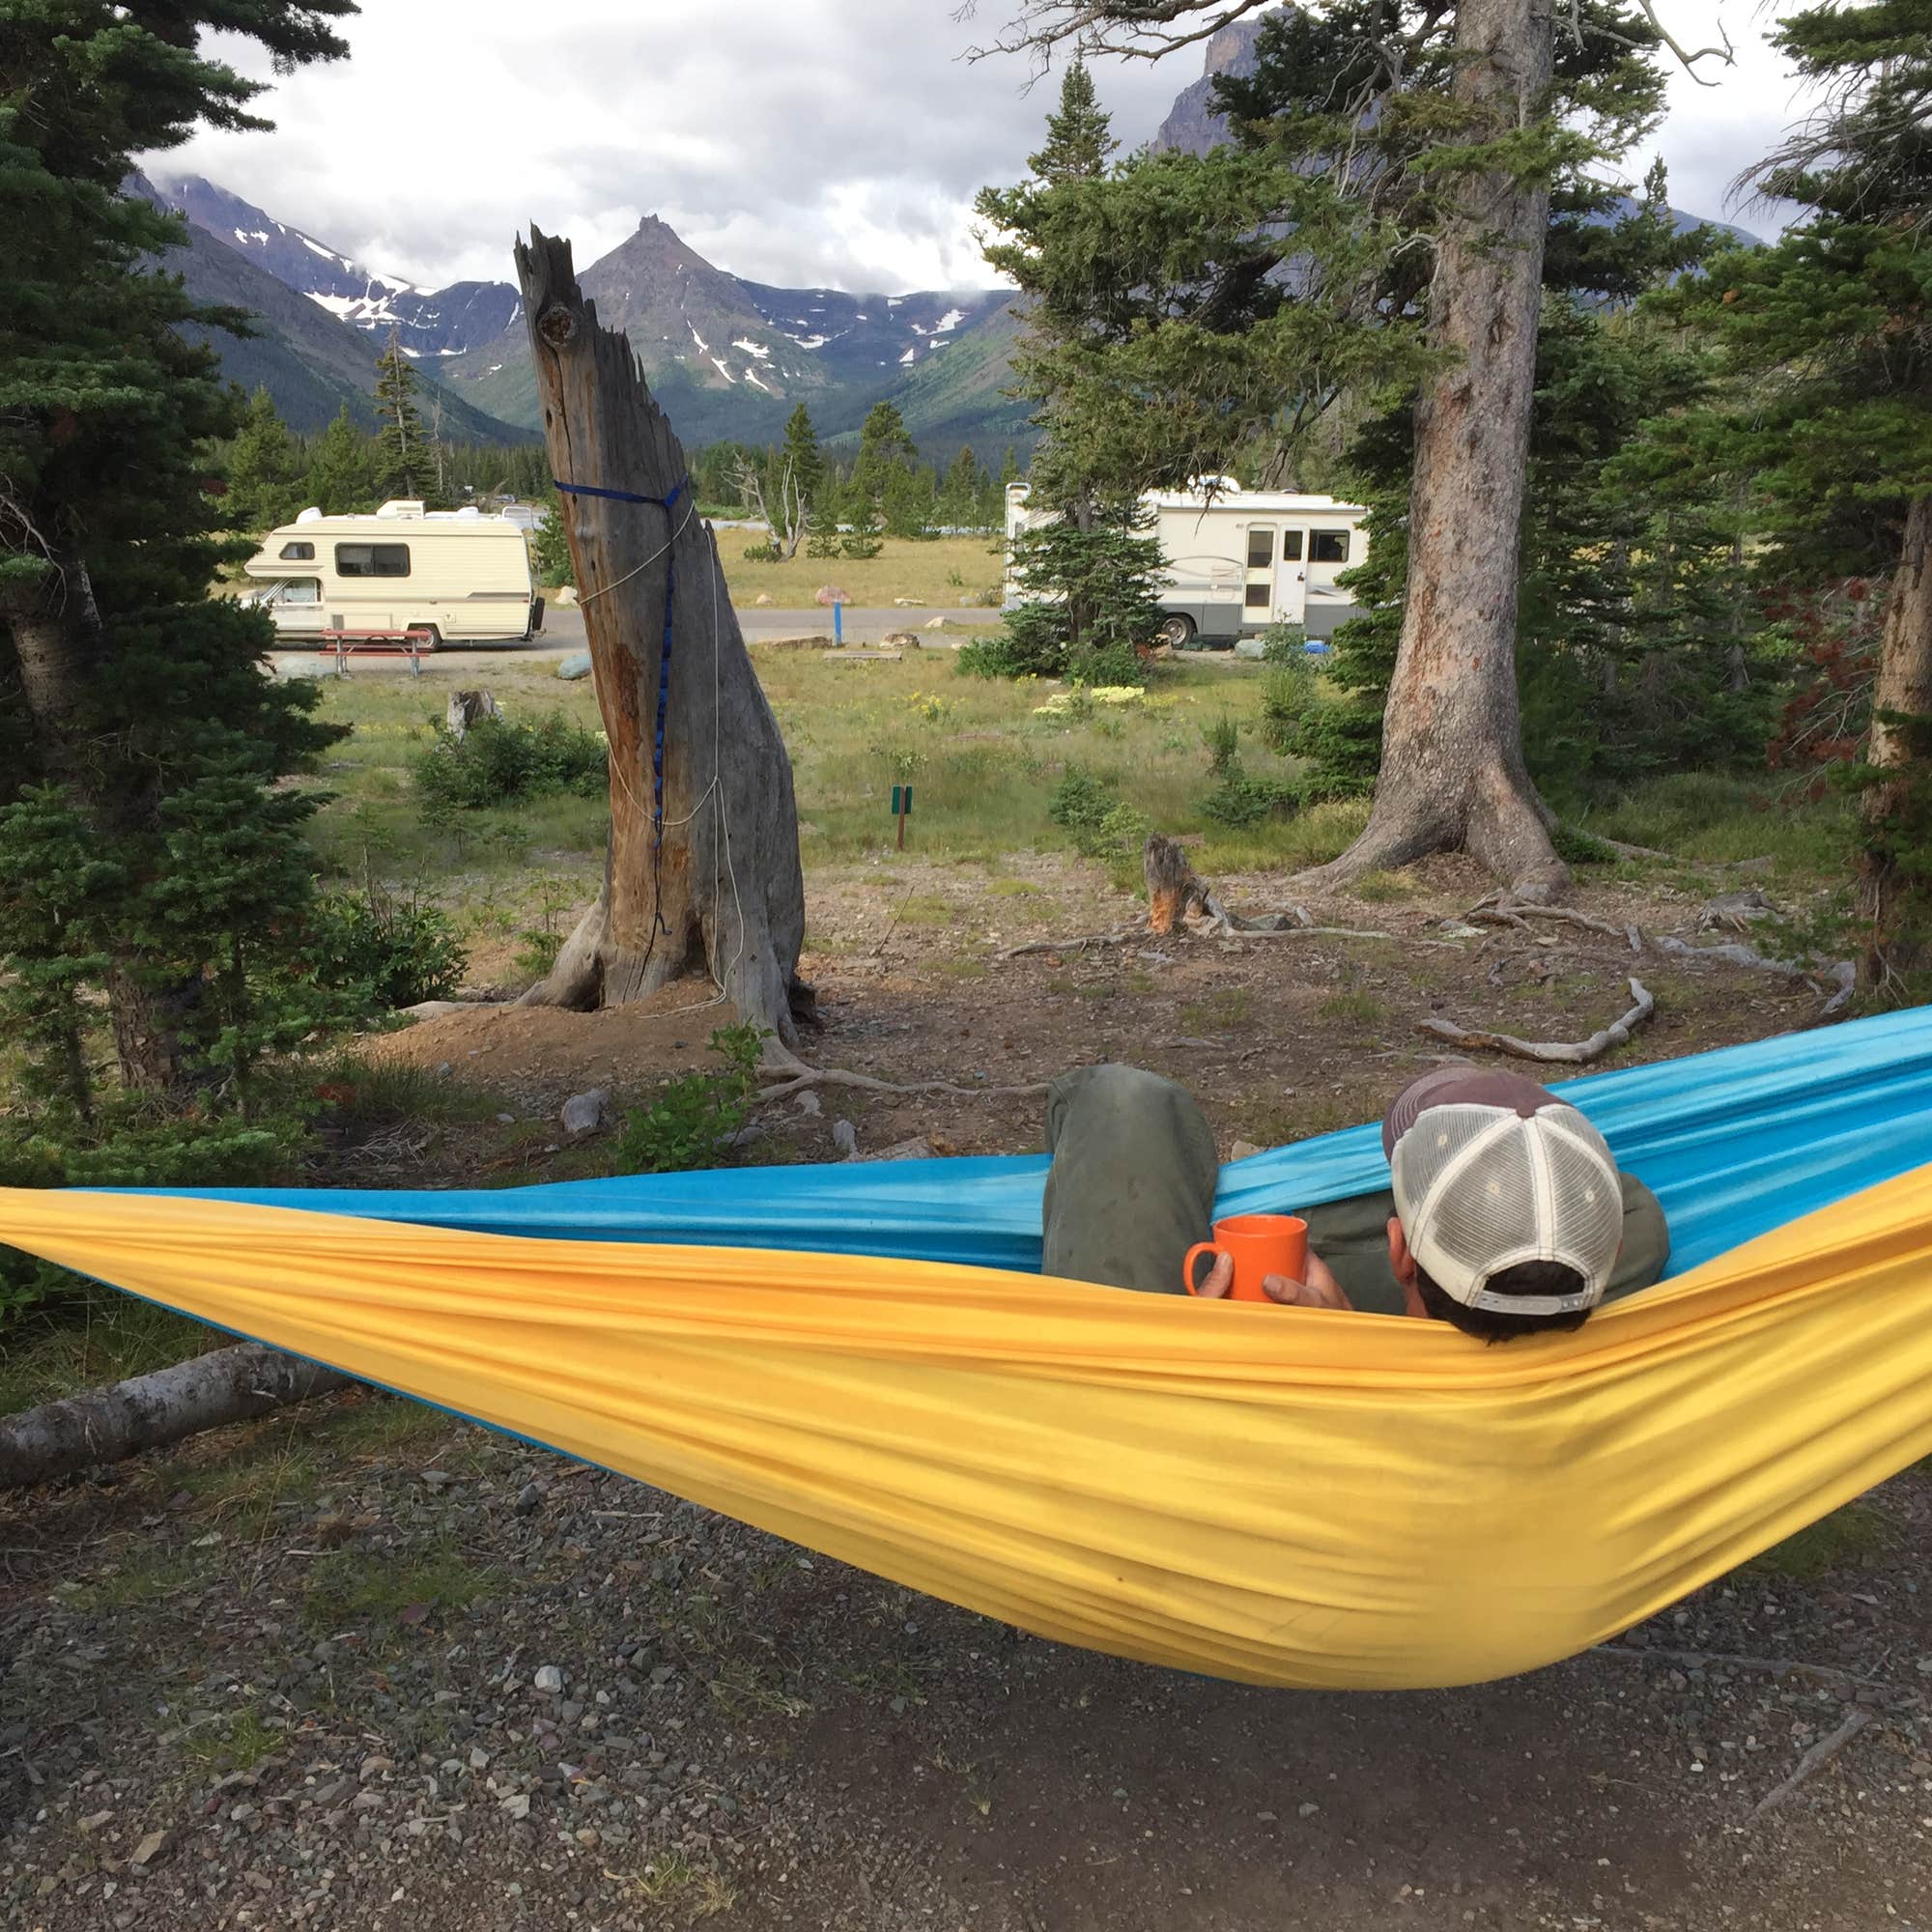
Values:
[(1259, 1245)]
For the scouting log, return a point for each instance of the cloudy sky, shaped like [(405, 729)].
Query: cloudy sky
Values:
[(800, 142)]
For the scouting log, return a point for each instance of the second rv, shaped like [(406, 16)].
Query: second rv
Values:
[(1238, 560)]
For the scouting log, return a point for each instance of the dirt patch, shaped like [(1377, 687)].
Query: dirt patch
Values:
[(1278, 1038), (535, 1056)]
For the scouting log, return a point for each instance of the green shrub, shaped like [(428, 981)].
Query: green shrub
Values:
[(1289, 699), (1285, 644), (1241, 799), (763, 553), (1223, 740), (1081, 801), (125, 1146), (1104, 828), (403, 949), (1028, 645), (1104, 665), (688, 1121), (496, 762)]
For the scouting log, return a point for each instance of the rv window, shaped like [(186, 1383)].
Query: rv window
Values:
[(1291, 546), (1260, 549), (298, 553), (365, 560), (1328, 546), (1258, 597), (299, 590)]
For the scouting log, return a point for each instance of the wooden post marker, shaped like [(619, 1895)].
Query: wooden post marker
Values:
[(902, 810)]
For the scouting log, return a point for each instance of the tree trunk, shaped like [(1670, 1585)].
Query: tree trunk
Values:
[(1898, 943), (1453, 778), (60, 647), (715, 882), (150, 1412)]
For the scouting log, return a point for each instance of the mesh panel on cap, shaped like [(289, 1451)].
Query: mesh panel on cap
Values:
[(1480, 1189)]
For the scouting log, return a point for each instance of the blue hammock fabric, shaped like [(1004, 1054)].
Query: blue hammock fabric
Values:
[(1734, 1142)]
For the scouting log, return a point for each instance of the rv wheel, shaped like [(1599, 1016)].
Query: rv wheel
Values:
[(1178, 631)]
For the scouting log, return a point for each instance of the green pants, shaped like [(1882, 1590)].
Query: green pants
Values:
[(1132, 1189)]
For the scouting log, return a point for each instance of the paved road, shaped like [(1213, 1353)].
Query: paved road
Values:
[(563, 633)]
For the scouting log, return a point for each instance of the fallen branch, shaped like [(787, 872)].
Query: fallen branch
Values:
[(1843, 974), (1757, 1666), (1077, 944), (1815, 1759), (800, 1076), (152, 1411), (1344, 932), (1575, 1053)]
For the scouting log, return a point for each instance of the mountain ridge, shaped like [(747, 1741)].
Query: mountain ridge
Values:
[(311, 363)]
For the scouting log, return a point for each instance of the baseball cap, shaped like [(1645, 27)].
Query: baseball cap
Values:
[(1490, 1170)]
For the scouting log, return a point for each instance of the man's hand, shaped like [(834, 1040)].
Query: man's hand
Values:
[(1319, 1291)]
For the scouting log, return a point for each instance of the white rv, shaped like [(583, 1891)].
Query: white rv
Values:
[(461, 576), (1238, 560)]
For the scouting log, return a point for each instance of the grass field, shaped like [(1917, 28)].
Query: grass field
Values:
[(981, 763), (940, 572)]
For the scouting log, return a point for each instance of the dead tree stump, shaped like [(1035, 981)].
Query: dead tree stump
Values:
[(702, 871), (467, 708), (1174, 891)]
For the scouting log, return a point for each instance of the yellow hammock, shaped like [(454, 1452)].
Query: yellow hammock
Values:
[(1276, 1496)]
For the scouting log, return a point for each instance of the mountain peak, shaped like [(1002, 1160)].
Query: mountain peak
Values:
[(1192, 125)]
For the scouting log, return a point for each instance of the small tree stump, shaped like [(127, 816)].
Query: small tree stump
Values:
[(467, 708), (1175, 891)]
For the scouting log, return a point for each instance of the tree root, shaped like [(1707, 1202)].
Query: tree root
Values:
[(1577, 1052), (1815, 1759), (1842, 974), (1826, 1674), (799, 1076)]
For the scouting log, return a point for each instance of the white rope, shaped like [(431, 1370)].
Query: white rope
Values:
[(689, 510)]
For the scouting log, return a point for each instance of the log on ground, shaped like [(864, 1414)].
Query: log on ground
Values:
[(108, 1425)]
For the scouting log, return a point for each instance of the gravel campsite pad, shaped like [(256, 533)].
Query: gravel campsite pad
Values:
[(361, 1664), (369, 1667)]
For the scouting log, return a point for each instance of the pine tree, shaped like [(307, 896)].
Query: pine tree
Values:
[(885, 448), (806, 460), (1826, 352), (550, 542), (265, 470), (122, 685), (867, 535), (960, 496), (404, 463), (1088, 573), (341, 479), (1079, 137)]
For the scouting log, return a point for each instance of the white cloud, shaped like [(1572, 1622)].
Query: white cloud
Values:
[(797, 142)]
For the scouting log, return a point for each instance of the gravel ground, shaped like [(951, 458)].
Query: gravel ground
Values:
[(365, 1666)]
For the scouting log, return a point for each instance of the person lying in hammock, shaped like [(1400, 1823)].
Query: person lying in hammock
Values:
[(1507, 1216)]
